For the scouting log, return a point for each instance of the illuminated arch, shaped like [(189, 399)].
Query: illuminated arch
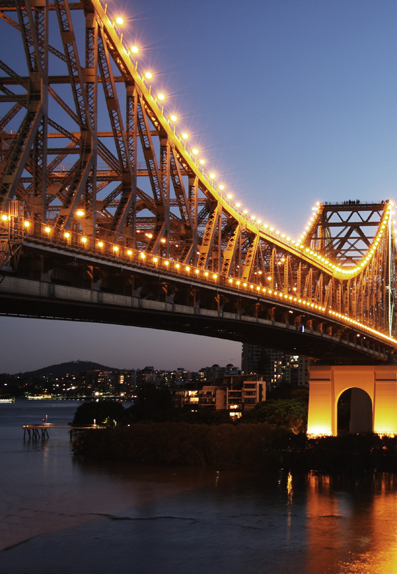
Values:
[(327, 383)]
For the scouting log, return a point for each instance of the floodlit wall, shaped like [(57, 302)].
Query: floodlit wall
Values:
[(327, 383)]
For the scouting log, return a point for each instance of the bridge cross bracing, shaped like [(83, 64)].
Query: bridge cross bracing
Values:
[(96, 165)]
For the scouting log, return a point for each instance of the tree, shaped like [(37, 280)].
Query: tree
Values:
[(290, 413), (103, 412), (152, 403)]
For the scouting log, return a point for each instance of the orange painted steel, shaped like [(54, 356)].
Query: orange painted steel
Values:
[(130, 187)]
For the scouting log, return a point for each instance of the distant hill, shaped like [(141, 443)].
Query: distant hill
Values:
[(62, 369)]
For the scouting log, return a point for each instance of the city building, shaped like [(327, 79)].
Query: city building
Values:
[(236, 394), (275, 366)]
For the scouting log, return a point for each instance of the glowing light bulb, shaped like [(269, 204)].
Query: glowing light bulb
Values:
[(173, 118), (148, 75), (195, 151), (84, 240), (80, 213), (100, 244), (119, 20), (185, 136), (48, 230), (26, 223), (161, 97), (229, 196), (238, 204), (221, 187), (67, 234), (212, 176), (202, 161), (134, 49)]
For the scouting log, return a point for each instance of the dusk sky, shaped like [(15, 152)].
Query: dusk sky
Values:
[(290, 101)]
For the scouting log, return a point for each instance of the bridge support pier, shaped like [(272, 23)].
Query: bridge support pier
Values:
[(327, 383)]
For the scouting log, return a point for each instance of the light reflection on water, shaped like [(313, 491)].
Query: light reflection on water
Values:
[(60, 515)]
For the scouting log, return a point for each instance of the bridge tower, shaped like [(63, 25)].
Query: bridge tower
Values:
[(345, 231)]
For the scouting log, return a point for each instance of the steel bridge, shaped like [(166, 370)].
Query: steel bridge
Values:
[(107, 215)]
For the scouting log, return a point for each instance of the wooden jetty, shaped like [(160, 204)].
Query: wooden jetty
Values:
[(40, 432)]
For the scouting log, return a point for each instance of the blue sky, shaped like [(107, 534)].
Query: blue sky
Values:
[(290, 102)]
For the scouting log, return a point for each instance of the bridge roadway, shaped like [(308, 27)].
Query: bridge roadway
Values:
[(57, 281)]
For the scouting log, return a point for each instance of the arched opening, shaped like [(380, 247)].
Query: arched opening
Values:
[(354, 412)]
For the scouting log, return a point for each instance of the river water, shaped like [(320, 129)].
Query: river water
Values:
[(60, 515)]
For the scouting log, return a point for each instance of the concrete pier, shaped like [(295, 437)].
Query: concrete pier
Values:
[(327, 383)]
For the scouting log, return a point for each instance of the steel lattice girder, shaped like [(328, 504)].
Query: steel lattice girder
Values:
[(136, 182)]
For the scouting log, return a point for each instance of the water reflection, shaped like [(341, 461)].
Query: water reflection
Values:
[(352, 525), (115, 517)]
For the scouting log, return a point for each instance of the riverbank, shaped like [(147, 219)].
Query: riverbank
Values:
[(261, 447)]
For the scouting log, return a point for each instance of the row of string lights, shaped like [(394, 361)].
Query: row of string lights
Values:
[(118, 22), (72, 239)]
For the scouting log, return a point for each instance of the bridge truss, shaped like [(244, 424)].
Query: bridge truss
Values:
[(94, 164)]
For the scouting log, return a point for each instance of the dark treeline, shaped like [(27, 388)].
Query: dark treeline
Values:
[(254, 447), (267, 438)]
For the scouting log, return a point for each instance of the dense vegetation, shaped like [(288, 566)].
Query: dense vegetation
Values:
[(259, 446), (269, 437), (254, 446)]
